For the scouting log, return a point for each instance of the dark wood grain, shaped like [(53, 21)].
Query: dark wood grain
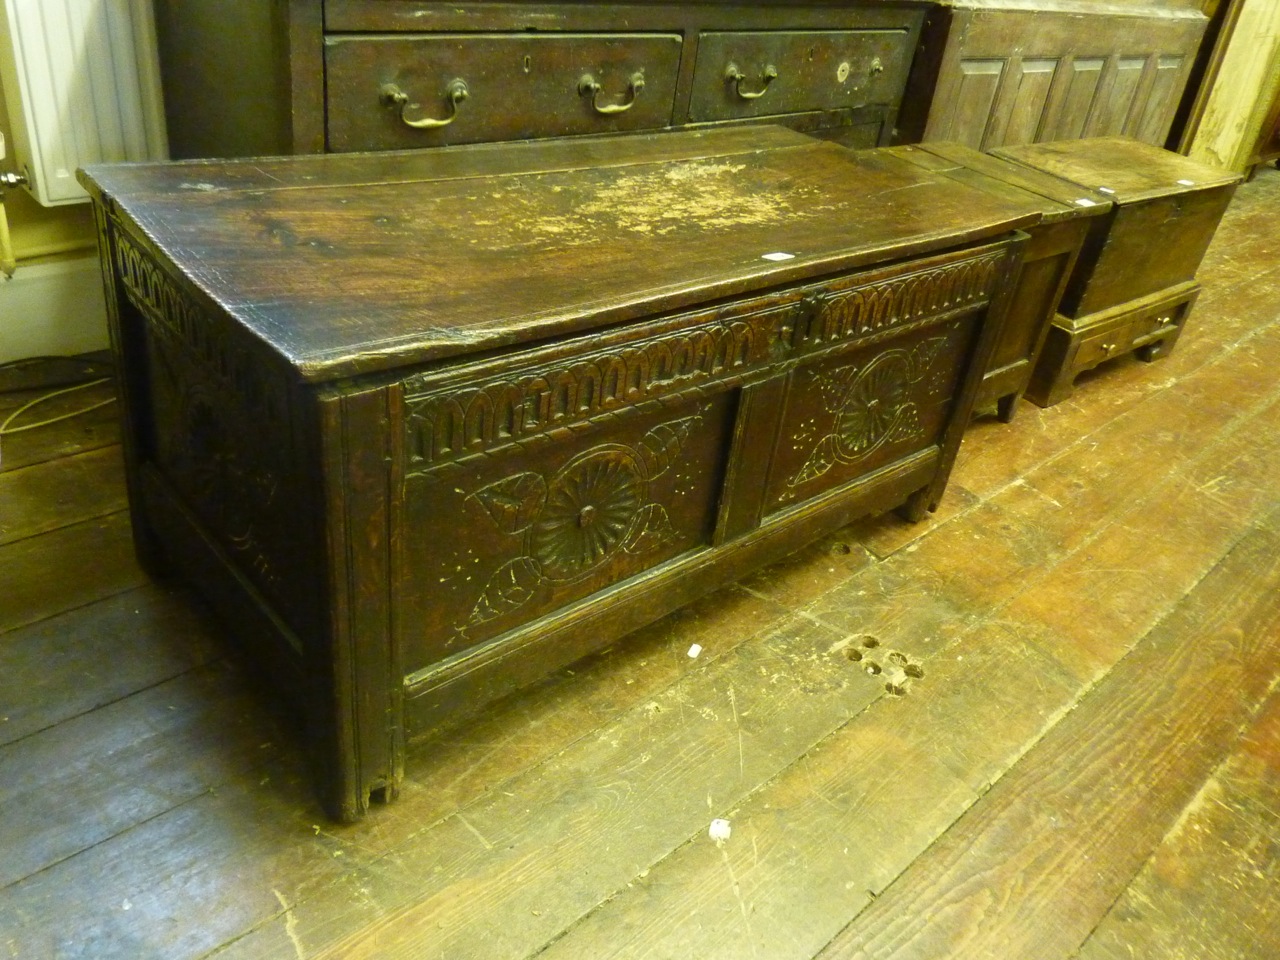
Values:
[(1144, 507)]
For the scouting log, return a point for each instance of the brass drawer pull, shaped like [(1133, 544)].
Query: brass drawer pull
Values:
[(455, 93), (588, 87), (735, 76)]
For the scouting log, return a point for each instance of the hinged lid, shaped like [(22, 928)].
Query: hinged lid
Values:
[(358, 263), (1127, 171), (1054, 198)]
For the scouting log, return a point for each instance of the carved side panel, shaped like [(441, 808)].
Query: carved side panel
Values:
[(853, 414), (220, 426)]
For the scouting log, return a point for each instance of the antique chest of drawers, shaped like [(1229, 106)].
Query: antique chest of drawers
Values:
[(358, 75), (1065, 210), (1134, 282), (426, 425)]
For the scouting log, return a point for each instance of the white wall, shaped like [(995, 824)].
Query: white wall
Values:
[(53, 308)]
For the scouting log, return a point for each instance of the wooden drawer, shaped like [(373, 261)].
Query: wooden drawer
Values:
[(390, 92), (752, 74), (1098, 347)]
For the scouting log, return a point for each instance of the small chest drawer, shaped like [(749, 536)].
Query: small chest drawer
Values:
[(418, 91), (1098, 347), (751, 74)]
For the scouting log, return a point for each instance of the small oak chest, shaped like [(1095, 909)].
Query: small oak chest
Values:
[(425, 426), (1134, 282)]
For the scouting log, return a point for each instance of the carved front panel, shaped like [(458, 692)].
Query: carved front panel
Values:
[(491, 543), (858, 411)]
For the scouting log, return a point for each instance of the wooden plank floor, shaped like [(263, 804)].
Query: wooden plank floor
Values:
[(1044, 723)]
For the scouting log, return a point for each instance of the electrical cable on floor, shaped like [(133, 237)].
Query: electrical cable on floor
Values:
[(7, 430)]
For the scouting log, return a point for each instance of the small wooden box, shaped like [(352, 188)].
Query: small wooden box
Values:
[(1065, 211), (426, 426), (1134, 283)]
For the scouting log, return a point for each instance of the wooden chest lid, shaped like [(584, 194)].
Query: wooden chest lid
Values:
[(1052, 197), (1128, 171), (347, 264)]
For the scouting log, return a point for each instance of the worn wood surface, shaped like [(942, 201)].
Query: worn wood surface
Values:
[(1082, 642), (464, 251)]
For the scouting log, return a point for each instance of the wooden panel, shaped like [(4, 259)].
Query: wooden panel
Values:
[(1152, 122), (1115, 101), (1070, 73), (975, 95), (1033, 81), (1083, 79)]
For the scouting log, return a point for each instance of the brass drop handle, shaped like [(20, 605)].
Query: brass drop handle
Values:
[(454, 93), (735, 76), (588, 87)]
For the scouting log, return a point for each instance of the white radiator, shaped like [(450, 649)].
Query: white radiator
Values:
[(82, 85)]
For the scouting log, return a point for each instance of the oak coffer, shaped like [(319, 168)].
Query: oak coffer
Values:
[(424, 426), (1134, 282)]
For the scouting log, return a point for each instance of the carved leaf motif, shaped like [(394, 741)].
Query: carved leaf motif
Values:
[(508, 589), (825, 456), (660, 447), (513, 503), (650, 528), (924, 355), (908, 425)]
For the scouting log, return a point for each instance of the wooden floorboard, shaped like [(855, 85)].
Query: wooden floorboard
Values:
[(1042, 723), (1031, 869), (1211, 890)]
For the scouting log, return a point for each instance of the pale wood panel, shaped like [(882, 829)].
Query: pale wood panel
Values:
[(1152, 124), (1030, 102), (1103, 78), (975, 96), (1083, 79), (1115, 100)]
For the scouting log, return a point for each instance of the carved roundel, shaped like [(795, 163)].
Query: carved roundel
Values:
[(873, 404), (590, 507)]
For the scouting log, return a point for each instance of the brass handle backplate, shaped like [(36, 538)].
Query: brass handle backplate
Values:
[(589, 87), (735, 76), (454, 94)]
